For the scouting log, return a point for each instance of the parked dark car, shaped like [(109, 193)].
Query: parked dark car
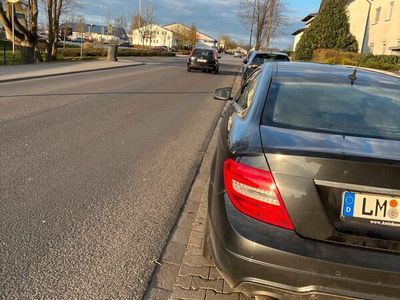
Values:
[(203, 59), (255, 59), (304, 197)]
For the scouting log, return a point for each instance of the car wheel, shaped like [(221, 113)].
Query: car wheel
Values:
[(189, 69), (216, 71)]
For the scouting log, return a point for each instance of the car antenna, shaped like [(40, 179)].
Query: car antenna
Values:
[(353, 77)]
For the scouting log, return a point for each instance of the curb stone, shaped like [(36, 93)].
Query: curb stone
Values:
[(69, 73), (191, 276)]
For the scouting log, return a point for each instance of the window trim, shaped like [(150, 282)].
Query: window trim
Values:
[(377, 15), (389, 14)]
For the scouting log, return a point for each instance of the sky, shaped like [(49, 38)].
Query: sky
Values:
[(212, 17)]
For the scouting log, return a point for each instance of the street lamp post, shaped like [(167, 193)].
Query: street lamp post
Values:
[(13, 22), (252, 24)]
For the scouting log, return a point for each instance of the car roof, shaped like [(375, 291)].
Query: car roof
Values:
[(314, 72)]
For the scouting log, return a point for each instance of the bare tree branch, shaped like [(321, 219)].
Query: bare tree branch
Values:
[(267, 22)]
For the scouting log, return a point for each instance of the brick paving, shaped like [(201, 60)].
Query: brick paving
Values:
[(183, 273)]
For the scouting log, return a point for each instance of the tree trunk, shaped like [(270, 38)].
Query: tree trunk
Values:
[(28, 55)]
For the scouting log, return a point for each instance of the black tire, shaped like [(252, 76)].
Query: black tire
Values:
[(189, 69), (216, 71)]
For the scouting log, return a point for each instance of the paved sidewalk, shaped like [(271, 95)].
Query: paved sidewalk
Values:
[(183, 272), (22, 72)]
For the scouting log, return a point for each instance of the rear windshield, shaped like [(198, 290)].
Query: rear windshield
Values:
[(259, 59), (201, 53), (368, 111)]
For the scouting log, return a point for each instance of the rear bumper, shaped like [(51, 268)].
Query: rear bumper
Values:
[(202, 66), (283, 265)]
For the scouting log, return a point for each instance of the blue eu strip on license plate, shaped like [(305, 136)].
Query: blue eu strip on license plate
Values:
[(348, 204)]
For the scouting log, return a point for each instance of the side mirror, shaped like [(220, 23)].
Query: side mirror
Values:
[(223, 94), (245, 61)]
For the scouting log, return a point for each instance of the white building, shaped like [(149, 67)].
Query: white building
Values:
[(153, 36), (202, 40), (374, 23)]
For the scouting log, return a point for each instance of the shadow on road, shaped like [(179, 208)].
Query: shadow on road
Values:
[(107, 94)]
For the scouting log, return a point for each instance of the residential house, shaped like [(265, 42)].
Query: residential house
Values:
[(299, 33), (382, 33), (96, 32), (153, 35), (21, 12), (202, 39), (374, 23)]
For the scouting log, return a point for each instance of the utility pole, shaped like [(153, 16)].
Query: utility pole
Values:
[(139, 13), (13, 22), (252, 24)]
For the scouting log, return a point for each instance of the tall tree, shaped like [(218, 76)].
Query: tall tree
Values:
[(330, 30), (149, 18), (25, 32), (229, 43), (265, 17), (54, 10), (136, 23), (120, 22), (192, 37)]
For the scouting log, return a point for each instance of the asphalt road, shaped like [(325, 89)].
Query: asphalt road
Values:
[(94, 169)]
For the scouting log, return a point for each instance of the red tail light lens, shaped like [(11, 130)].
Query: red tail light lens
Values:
[(254, 193)]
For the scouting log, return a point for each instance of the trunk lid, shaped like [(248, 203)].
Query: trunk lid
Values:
[(313, 171)]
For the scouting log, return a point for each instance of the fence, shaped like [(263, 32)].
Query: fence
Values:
[(6, 55)]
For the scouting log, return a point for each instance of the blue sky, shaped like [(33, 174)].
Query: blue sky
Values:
[(213, 17)]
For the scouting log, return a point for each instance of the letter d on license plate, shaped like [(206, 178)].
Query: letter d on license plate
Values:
[(379, 209)]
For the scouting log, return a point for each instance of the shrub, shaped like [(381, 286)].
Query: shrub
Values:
[(381, 62), (330, 30), (102, 52)]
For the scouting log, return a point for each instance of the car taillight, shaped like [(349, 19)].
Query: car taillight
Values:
[(254, 193)]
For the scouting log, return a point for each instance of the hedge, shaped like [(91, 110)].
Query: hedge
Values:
[(380, 62), (102, 52)]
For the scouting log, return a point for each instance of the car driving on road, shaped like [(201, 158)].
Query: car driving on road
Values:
[(304, 198), (256, 58), (204, 59)]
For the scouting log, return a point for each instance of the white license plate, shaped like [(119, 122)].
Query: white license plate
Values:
[(202, 60), (378, 209)]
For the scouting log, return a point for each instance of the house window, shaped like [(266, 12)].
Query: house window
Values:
[(371, 48), (378, 14), (383, 47), (390, 11), (398, 43)]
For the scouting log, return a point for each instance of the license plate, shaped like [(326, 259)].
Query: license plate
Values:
[(202, 60), (377, 209)]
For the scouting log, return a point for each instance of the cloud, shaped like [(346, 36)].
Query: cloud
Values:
[(213, 17)]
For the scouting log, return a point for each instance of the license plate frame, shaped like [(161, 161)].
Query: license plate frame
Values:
[(374, 209)]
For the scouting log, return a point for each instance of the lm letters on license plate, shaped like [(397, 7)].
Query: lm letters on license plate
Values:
[(378, 209)]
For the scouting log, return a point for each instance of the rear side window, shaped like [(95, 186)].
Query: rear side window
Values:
[(200, 53), (260, 59), (246, 96), (369, 111)]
